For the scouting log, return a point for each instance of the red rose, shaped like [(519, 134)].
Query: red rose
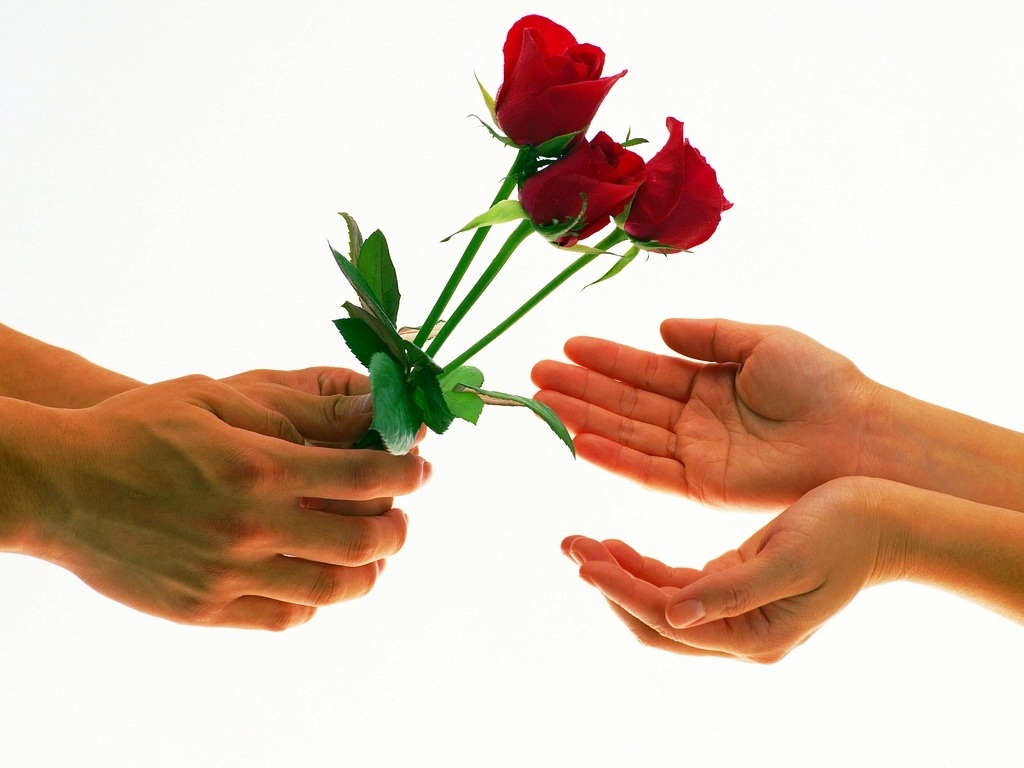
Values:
[(680, 203), (553, 85), (575, 196)]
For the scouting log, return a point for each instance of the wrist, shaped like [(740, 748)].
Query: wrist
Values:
[(866, 509), (30, 461), (964, 547), (916, 443)]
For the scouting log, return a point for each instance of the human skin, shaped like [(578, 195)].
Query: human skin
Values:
[(875, 485), (761, 600), (756, 416), (200, 501)]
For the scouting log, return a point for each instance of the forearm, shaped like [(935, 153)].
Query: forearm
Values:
[(971, 549), (927, 446), (41, 373)]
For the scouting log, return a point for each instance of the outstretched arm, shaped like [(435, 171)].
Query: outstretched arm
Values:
[(752, 415), (771, 594), (193, 502), (41, 373)]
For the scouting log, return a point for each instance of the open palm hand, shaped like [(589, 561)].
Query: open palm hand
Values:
[(749, 415)]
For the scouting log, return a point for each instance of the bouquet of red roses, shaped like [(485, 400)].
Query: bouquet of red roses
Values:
[(569, 187)]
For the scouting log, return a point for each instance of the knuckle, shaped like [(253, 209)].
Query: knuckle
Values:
[(194, 609), (733, 599), (196, 381), (652, 367), (240, 531), (335, 411), (627, 400), (279, 427), (248, 473), (358, 547), (367, 479), (285, 616), (327, 587), (768, 657)]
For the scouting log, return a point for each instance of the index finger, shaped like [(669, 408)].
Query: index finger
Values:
[(665, 375), (648, 568)]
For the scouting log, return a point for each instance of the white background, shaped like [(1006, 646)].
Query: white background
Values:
[(169, 174)]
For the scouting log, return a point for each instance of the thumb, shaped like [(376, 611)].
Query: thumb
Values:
[(718, 341), (332, 419), (735, 591)]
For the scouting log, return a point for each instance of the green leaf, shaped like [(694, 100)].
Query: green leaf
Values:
[(418, 358), (388, 335), (499, 213), (463, 405), (363, 290), (548, 415), (620, 264), (467, 375), (370, 312), (488, 99), (396, 417), (355, 237), (361, 339), (377, 269), (436, 413)]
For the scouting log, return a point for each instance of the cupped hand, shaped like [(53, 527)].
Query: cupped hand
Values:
[(194, 502), (755, 603), (750, 415)]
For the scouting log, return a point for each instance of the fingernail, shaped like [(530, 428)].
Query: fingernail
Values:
[(380, 566), (685, 614), (364, 404)]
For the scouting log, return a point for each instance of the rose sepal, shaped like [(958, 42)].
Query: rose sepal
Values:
[(488, 99), (500, 213)]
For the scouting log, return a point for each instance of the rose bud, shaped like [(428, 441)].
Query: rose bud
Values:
[(552, 86), (680, 203), (575, 196)]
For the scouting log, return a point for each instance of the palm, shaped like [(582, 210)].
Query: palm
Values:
[(762, 599), (760, 433)]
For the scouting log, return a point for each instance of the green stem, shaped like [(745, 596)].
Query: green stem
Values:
[(468, 255), (519, 234), (613, 239)]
